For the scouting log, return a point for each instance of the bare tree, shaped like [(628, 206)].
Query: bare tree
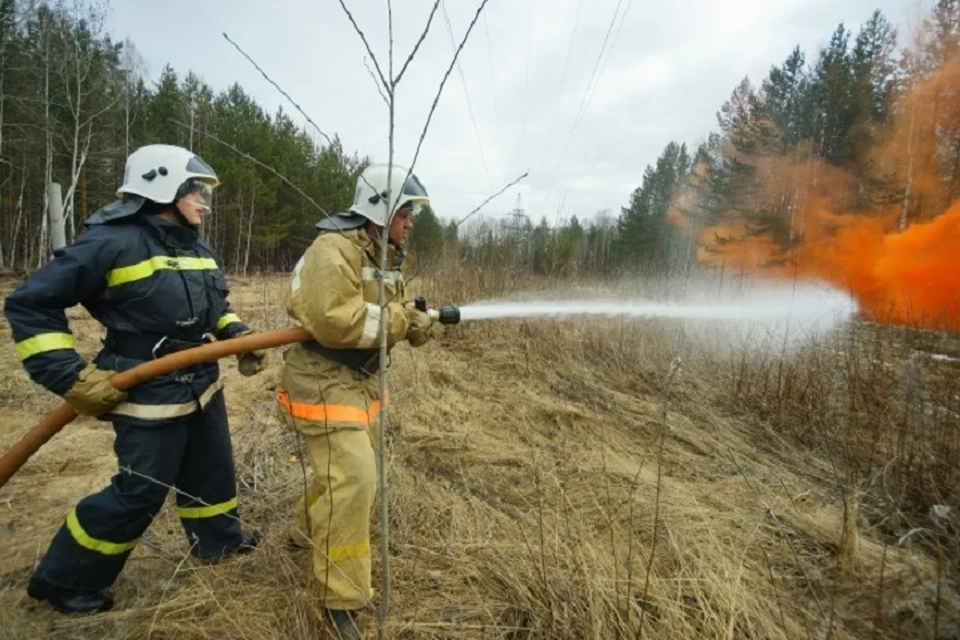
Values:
[(11, 19), (48, 144), (82, 62), (132, 66), (387, 86)]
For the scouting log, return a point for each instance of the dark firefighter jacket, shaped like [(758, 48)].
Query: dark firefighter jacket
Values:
[(144, 279)]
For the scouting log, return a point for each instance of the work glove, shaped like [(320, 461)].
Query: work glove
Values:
[(92, 393), (420, 326), (251, 362)]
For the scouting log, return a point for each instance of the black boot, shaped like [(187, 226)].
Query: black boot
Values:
[(248, 542), (343, 624), (69, 600)]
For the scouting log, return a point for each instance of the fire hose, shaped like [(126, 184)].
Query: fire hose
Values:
[(63, 415)]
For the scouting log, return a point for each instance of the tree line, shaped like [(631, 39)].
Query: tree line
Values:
[(74, 104)]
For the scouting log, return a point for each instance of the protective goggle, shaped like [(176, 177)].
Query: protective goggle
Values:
[(194, 185)]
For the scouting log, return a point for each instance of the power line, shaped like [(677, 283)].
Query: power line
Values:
[(563, 79), (493, 85), (526, 82), (595, 75), (466, 93)]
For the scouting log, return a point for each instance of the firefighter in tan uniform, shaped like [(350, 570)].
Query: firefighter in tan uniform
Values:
[(330, 389)]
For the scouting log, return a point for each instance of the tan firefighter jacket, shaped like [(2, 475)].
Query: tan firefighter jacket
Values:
[(333, 294)]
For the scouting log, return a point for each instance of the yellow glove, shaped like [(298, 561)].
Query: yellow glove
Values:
[(420, 329), (92, 393), (251, 362)]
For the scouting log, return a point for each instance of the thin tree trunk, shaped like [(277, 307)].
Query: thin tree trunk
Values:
[(58, 235), (18, 220), (253, 207), (2, 101), (77, 164), (192, 115), (74, 168), (908, 190), (126, 116), (48, 160), (83, 195), (237, 249)]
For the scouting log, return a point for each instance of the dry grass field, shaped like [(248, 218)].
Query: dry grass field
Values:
[(561, 479)]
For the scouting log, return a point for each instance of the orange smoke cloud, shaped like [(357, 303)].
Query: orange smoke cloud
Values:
[(807, 219), (910, 277), (919, 272)]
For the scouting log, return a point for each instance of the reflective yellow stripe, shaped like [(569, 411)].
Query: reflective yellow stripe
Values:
[(166, 411), (148, 267), (347, 551), (44, 342), (207, 511), (225, 319), (87, 541)]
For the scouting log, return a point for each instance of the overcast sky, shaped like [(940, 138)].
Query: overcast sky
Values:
[(525, 99)]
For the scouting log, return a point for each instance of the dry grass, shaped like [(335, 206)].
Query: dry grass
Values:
[(545, 482)]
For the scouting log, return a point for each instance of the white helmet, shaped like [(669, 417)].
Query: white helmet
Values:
[(164, 173), (372, 192)]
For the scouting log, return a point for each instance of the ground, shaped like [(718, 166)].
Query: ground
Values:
[(547, 479)]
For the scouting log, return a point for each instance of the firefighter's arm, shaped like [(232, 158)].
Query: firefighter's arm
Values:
[(326, 298), (36, 310), (228, 325)]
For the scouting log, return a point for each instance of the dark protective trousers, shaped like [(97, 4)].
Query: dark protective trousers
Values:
[(192, 453)]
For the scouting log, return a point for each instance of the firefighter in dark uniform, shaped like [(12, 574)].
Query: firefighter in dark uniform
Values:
[(142, 271)]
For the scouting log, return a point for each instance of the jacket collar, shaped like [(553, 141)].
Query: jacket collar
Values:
[(170, 234), (373, 247)]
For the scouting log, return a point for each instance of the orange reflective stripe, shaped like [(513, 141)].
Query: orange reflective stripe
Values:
[(329, 412)]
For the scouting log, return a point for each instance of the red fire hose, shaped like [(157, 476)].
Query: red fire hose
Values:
[(19, 453)]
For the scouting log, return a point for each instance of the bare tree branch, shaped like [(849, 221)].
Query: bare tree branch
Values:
[(443, 82), (482, 204), (386, 100), (284, 93), (416, 47), (257, 162), (376, 64)]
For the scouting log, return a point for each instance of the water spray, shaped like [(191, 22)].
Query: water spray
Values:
[(801, 309)]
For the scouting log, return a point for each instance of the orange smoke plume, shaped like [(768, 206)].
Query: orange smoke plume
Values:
[(918, 272), (910, 277), (805, 218)]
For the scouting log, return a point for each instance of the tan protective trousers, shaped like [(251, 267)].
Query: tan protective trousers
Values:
[(336, 513)]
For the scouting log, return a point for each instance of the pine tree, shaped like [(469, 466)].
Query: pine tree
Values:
[(832, 94), (645, 236)]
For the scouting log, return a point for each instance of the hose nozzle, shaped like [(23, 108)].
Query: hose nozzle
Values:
[(447, 314)]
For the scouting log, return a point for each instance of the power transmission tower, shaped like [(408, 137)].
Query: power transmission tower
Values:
[(519, 231)]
